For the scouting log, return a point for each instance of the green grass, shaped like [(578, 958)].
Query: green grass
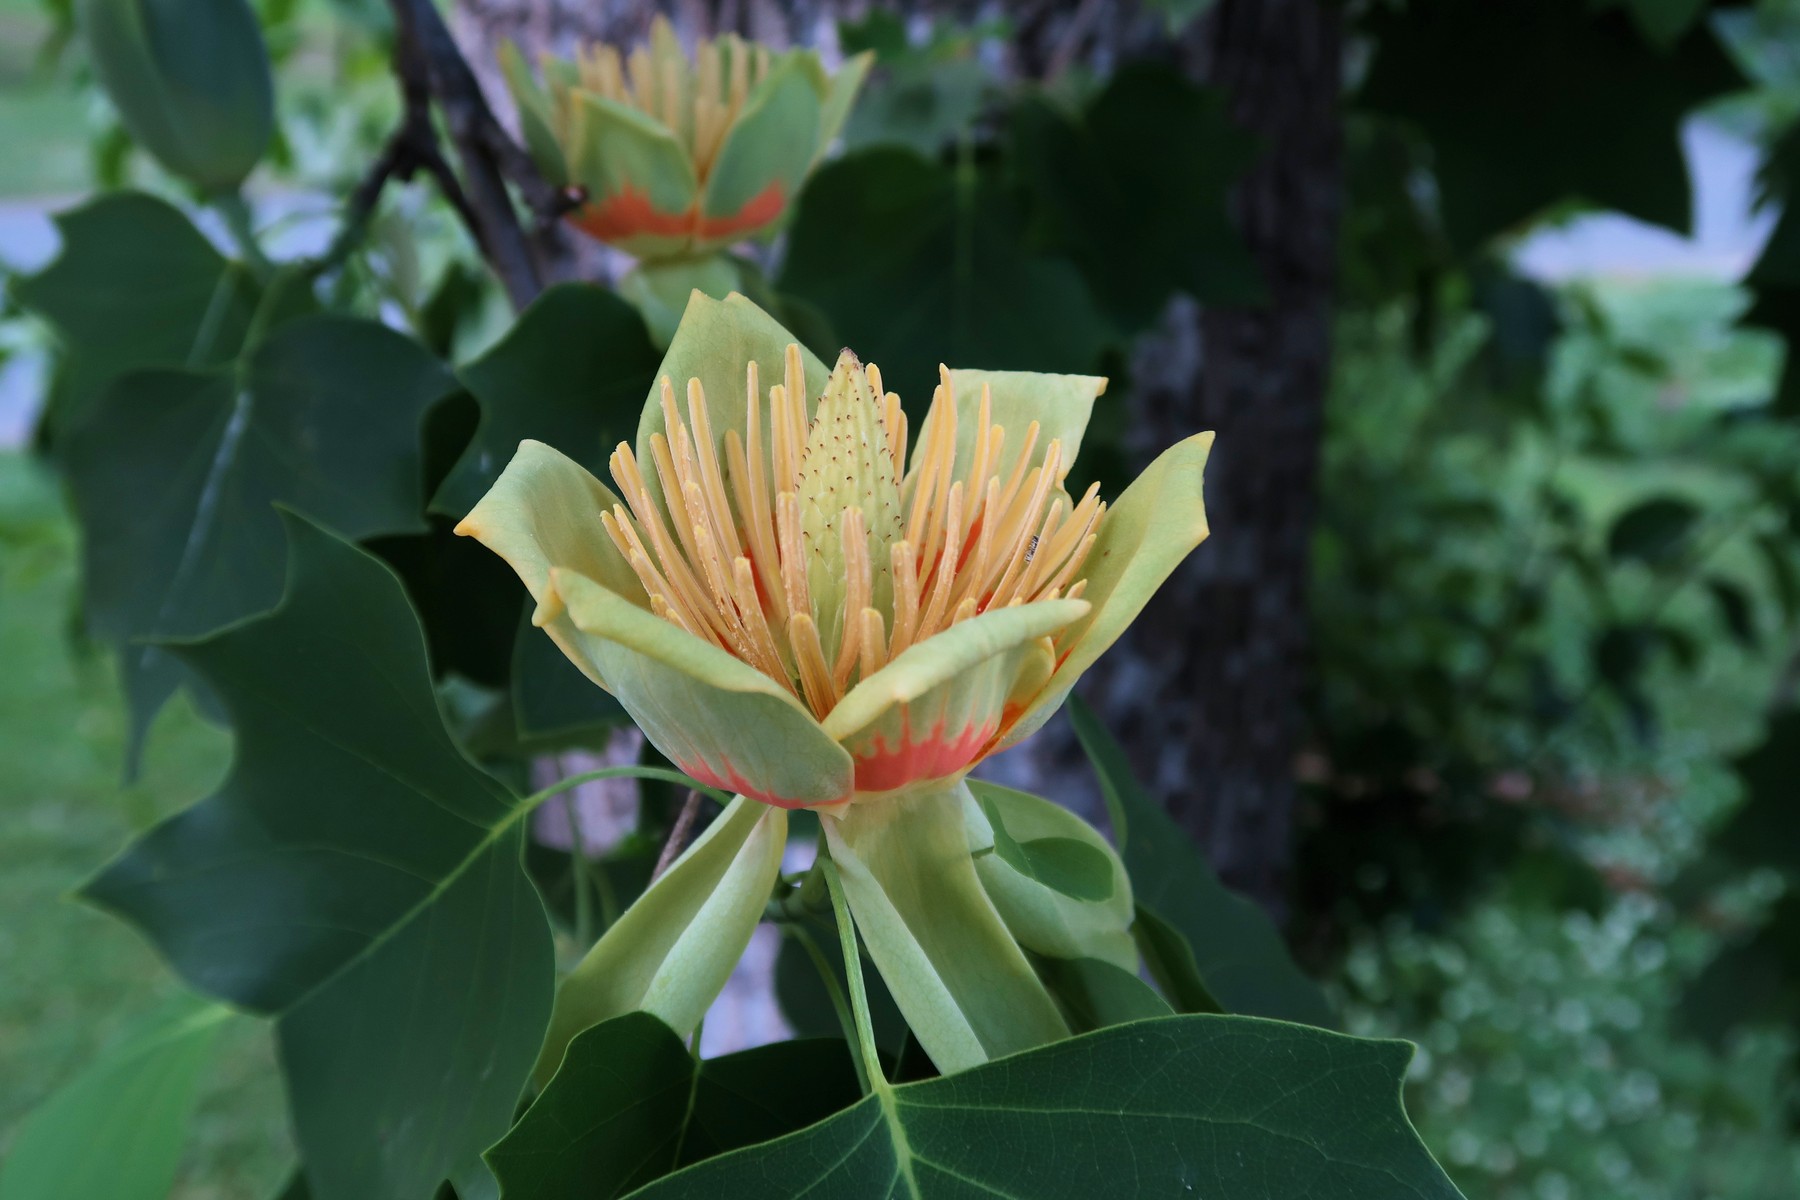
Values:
[(73, 977)]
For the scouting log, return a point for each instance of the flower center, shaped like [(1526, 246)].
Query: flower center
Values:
[(820, 560), (697, 101)]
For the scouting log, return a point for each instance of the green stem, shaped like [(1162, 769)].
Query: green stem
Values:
[(859, 996), (838, 1004), (578, 874)]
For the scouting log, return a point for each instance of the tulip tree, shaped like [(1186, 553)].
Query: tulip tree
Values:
[(822, 605)]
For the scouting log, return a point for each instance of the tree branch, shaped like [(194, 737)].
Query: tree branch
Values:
[(431, 67)]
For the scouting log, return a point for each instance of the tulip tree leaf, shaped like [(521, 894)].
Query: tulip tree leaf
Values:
[(572, 373), (1240, 955), (630, 1104), (1534, 103), (1135, 189), (914, 266), (1061, 864), (136, 285), (174, 473), (1094, 993), (356, 877), (116, 1131), (1231, 1108), (1170, 961)]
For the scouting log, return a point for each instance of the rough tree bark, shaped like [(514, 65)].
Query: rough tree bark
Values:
[(1207, 690)]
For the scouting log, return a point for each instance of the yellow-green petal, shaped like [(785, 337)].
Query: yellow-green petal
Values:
[(1144, 537), (1060, 404), (1041, 918), (535, 120), (766, 154), (714, 343), (542, 513), (938, 706), (839, 98), (672, 951), (960, 980), (639, 179), (720, 719)]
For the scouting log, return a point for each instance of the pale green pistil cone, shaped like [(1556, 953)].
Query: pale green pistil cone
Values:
[(848, 468)]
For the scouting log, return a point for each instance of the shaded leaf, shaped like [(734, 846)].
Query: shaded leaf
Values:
[(571, 373), (914, 266), (1225, 1107), (1240, 955), (356, 877), (1534, 103), (630, 1104), (1170, 961), (1094, 993), (1733, 603), (174, 474), (1653, 531), (1134, 189), (136, 285), (117, 1130)]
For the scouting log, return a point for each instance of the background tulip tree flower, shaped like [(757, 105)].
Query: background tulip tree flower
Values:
[(678, 158), (795, 607)]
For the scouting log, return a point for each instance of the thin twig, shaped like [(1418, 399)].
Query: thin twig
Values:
[(684, 825)]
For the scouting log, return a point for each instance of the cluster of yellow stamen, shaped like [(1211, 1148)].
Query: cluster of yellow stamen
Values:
[(698, 101), (818, 558)]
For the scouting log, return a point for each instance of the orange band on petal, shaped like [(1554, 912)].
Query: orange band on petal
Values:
[(629, 213), (758, 211), (914, 760)]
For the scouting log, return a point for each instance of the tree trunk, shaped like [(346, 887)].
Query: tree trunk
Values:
[(1206, 691), (1208, 696)]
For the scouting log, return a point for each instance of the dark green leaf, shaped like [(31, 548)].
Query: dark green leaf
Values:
[(357, 877), (552, 699), (1752, 980), (136, 285), (190, 79), (1170, 960), (1654, 531), (1230, 1108), (1094, 994), (1662, 22), (117, 1130), (1734, 609), (915, 265), (1539, 102), (1775, 276), (174, 474), (1765, 828), (1134, 189), (1061, 864), (1240, 954), (629, 1104), (573, 373)]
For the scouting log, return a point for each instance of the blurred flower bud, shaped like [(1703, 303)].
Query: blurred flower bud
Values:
[(190, 79), (679, 157)]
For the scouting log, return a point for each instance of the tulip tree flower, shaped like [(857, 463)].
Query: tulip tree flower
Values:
[(796, 607), (678, 158)]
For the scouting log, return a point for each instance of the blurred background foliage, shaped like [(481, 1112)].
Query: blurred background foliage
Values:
[(1548, 824)]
